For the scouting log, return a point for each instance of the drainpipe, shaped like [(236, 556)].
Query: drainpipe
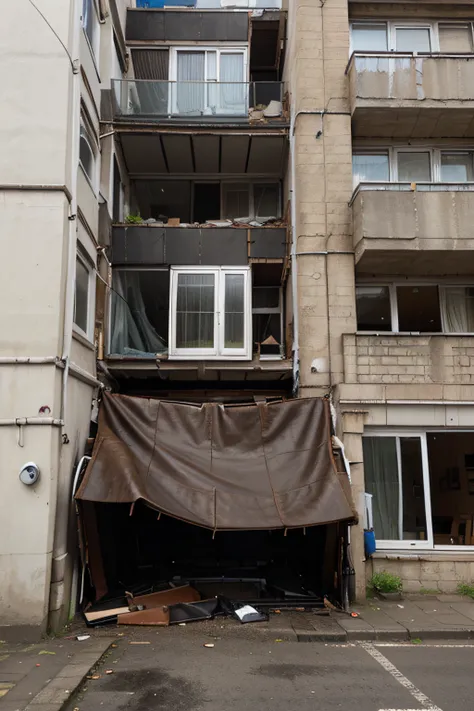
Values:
[(294, 265)]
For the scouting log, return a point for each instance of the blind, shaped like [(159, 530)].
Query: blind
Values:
[(455, 38)]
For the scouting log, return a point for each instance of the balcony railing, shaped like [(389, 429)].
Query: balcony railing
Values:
[(212, 4), (196, 99)]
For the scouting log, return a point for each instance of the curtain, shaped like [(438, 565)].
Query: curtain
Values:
[(132, 332), (234, 311), (458, 309), (381, 480), (233, 90), (190, 87)]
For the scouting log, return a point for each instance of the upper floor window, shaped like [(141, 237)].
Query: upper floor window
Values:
[(413, 165), (210, 312), (423, 37), (415, 308), (91, 25), (84, 292), (88, 154)]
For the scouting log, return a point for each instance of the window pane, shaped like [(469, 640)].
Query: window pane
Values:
[(458, 309), (395, 518), (236, 201), (373, 308), (456, 167), (455, 38), (81, 296), (195, 311), (414, 167), (211, 66), (369, 37), (234, 310), (86, 156), (418, 309), (381, 480), (370, 166), (266, 297), (413, 39), (266, 200), (90, 23)]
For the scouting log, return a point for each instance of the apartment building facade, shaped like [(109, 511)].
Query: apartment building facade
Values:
[(273, 202)]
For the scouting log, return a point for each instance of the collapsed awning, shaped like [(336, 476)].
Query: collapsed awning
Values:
[(261, 466)]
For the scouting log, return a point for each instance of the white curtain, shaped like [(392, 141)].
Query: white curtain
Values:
[(233, 90), (132, 332), (190, 87), (381, 480), (458, 309)]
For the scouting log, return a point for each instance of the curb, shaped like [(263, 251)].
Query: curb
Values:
[(59, 690)]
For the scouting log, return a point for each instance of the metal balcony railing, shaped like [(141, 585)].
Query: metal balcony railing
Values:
[(192, 99)]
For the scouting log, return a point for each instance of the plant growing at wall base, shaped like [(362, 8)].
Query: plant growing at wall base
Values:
[(466, 589), (385, 582), (134, 219)]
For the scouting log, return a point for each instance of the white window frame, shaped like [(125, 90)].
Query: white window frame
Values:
[(88, 135), (219, 352), (408, 544), (393, 25), (173, 69), (393, 151), (94, 45), (392, 289), (82, 257), (429, 544)]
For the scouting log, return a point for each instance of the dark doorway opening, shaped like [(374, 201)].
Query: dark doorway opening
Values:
[(207, 202)]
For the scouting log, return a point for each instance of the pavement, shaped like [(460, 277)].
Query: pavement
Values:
[(139, 669)]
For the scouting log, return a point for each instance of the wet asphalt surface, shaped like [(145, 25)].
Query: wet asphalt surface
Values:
[(172, 670)]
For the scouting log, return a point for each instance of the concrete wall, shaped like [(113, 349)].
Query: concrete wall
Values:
[(409, 359), (318, 48), (413, 220), (412, 80), (40, 226)]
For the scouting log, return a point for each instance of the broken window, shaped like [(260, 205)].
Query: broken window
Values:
[(236, 202), (210, 312), (139, 314), (267, 321)]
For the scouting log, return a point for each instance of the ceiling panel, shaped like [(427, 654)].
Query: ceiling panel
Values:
[(234, 154), (206, 153), (178, 153), (143, 153), (266, 154)]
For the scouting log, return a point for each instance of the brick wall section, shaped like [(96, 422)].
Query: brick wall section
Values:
[(409, 359)]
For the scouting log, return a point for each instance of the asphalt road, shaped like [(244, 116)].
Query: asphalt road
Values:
[(172, 670)]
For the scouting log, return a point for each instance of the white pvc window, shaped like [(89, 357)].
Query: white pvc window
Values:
[(210, 313), (84, 297), (208, 81), (416, 37), (91, 25), (412, 165), (397, 476)]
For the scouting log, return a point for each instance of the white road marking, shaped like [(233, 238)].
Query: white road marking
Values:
[(401, 678), (425, 644)]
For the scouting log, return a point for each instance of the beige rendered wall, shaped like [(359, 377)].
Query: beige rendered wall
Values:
[(318, 52), (37, 136)]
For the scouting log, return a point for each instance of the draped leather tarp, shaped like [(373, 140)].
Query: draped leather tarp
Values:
[(262, 466)]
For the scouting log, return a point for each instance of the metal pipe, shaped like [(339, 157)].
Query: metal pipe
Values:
[(30, 360), (333, 251), (83, 375), (24, 421)]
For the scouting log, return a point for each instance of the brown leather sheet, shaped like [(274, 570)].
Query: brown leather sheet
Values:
[(262, 466)]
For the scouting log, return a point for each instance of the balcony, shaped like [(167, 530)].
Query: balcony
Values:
[(395, 359), (197, 103), (408, 228), (404, 95), (147, 244)]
